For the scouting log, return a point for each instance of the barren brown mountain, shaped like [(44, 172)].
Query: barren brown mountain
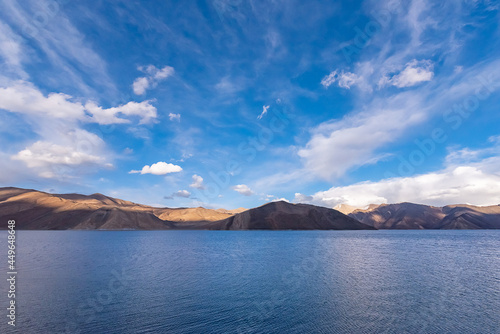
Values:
[(38, 210), (416, 216)]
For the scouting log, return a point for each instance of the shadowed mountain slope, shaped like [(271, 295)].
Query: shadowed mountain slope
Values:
[(286, 216), (417, 216)]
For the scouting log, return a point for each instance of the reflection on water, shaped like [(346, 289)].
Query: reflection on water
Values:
[(257, 282)]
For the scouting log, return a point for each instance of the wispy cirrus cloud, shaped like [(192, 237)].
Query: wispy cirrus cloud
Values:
[(54, 36), (264, 111), (378, 120), (343, 79), (338, 146), (11, 53)]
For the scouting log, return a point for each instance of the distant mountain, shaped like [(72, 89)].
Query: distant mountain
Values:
[(344, 208), (234, 211), (347, 209), (416, 216), (36, 210), (286, 216)]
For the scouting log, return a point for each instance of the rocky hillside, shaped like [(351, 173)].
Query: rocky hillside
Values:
[(416, 216), (36, 210), (286, 216)]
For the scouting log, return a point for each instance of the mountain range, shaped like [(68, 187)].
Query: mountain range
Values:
[(417, 216), (36, 210)]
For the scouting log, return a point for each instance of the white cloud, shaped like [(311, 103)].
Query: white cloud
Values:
[(65, 50), (144, 110), (73, 149), (280, 199), (329, 79), (154, 76), (23, 97), (182, 193), (197, 182), (10, 51), (458, 185), (470, 177), (43, 155), (162, 74), (264, 111), (243, 189), (414, 73), (301, 198), (343, 79), (140, 85), (174, 117), (346, 80), (159, 168), (336, 147)]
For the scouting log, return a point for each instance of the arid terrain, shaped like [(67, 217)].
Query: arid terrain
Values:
[(36, 210)]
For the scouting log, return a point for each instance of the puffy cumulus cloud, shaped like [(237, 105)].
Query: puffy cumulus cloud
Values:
[(197, 182), (23, 97), (159, 168), (144, 110), (182, 193), (413, 73), (174, 117), (153, 76), (456, 185), (57, 159), (343, 79), (243, 189), (264, 111), (63, 149)]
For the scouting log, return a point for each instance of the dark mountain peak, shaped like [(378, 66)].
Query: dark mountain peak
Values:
[(282, 215)]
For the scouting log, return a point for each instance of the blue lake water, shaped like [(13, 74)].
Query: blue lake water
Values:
[(255, 282)]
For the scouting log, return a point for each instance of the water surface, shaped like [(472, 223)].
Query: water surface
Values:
[(256, 282)]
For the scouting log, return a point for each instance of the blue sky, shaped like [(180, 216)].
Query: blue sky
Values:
[(230, 103)]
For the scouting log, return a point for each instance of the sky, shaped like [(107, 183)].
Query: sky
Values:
[(232, 103)]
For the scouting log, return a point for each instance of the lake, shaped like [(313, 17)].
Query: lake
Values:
[(255, 282)]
